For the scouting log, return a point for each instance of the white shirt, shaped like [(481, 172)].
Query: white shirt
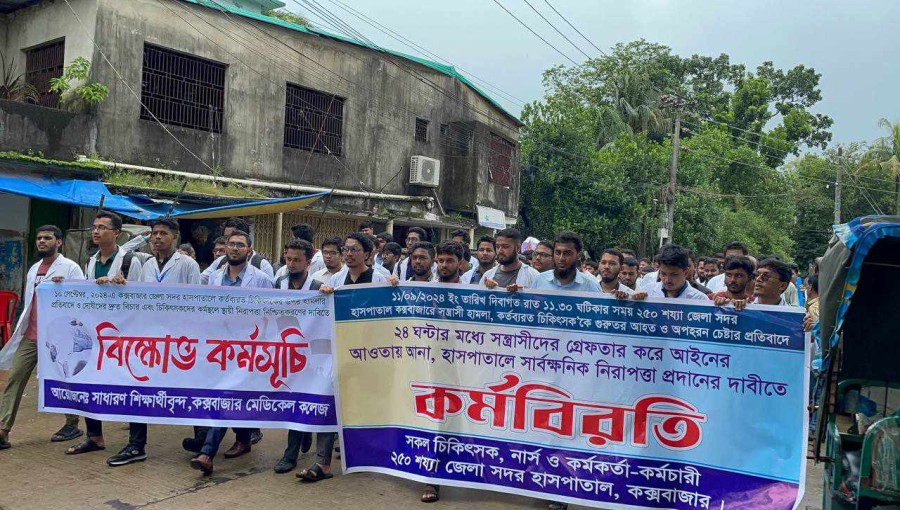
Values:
[(285, 282), (178, 269), (323, 275), (62, 266), (316, 264), (526, 277), (265, 265), (716, 283), (134, 270), (467, 276), (689, 292), (251, 278), (621, 286), (647, 280), (401, 268), (337, 280)]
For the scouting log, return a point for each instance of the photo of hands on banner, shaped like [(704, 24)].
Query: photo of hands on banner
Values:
[(568, 397)]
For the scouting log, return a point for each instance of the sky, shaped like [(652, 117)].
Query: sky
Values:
[(853, 45)]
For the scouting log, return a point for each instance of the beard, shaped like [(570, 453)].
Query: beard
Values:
[(420, 271), (507, 261), (49, 252), (236, 262), (610, 279), (565, 273)]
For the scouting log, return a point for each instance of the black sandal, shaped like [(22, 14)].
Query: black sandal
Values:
[(314, 474), (431, 494), (66, 433), (86, 446)]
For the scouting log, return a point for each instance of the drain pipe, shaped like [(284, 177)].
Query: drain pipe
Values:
[(428, 201)]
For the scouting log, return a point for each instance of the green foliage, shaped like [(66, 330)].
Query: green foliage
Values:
[(89, 93), (290, 17), (596, 150), (13, 86)]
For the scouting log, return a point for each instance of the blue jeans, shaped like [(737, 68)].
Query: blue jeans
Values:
[(214, 437)]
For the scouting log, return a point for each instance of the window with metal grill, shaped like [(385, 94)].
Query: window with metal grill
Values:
[(421, 130), (182, 89), (42, 63), (501, 160), (313, 120)]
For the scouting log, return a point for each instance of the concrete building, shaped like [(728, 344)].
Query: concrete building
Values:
[(217, 90)]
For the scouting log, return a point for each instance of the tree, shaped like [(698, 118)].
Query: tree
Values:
[(885, 153)]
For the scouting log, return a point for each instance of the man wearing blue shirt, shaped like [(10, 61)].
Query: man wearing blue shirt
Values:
[(565, 274)]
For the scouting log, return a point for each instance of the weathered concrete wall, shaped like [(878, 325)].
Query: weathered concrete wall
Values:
[(382, 103), (50, 21), (55, 133)]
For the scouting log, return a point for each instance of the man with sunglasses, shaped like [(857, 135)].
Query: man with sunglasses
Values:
[(772, 279)]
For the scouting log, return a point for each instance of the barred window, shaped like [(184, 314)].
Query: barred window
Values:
[(421, 130), (501, 163), (313, 120), (42, 63), (182, 89)]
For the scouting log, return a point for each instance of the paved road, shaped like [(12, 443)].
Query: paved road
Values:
[(36, 475)]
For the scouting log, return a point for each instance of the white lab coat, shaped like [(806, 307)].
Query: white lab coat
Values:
[(253, 278), (134, 271), (526, 277), (62, 266)]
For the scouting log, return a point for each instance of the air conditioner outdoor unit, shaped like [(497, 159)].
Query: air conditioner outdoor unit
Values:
[(425, 171)]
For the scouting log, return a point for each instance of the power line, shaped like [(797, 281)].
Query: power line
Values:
[(575, 29), (557, 30), (535, 33)]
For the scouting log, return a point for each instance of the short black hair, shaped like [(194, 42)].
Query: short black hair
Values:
[(366, 224), (450, 248), (303, 231), (812, 281), (333, 240), (795, 268), (169, 223), (364, 241), (568, 237), (591, 263), (644, 259), (627, 252), (486, 239), (386, 236), (220, 240), (780, 268), (615, 253), (114, 218), (546, 243), (424, 245), (630, 262), (237, 223), (417, 230), (673, 255), (461, 233), (53, 229), (301, 244), (741, 262), (394, 248), (736, 245), (243, 234), (188, 248), (711, 260), (510, 233)]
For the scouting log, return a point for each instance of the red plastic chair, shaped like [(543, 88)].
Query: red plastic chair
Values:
[(9, 301)]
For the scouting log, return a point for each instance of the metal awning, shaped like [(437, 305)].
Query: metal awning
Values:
[(84, 193)]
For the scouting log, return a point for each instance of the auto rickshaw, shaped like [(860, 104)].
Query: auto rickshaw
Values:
[(857, 378)]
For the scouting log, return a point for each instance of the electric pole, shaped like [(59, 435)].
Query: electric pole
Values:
[(665, 233), (837, 186)]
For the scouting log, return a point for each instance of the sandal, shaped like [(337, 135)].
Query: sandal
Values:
[(557, 506), (66, 433), (314, 474), (431, 494), (86, 446)]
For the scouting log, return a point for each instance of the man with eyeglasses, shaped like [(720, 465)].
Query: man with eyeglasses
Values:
[(166, 266), (357, 248), (331, 251), (487, 260), (238, 273), (738, 289), (256, 260), (109, 265), (542, 256), (772, 279)]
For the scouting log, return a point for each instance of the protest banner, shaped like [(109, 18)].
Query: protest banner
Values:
[(201, 355), (574, 398)]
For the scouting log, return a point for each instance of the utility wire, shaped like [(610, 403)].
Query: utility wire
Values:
[(535, 33), (557, 30)]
